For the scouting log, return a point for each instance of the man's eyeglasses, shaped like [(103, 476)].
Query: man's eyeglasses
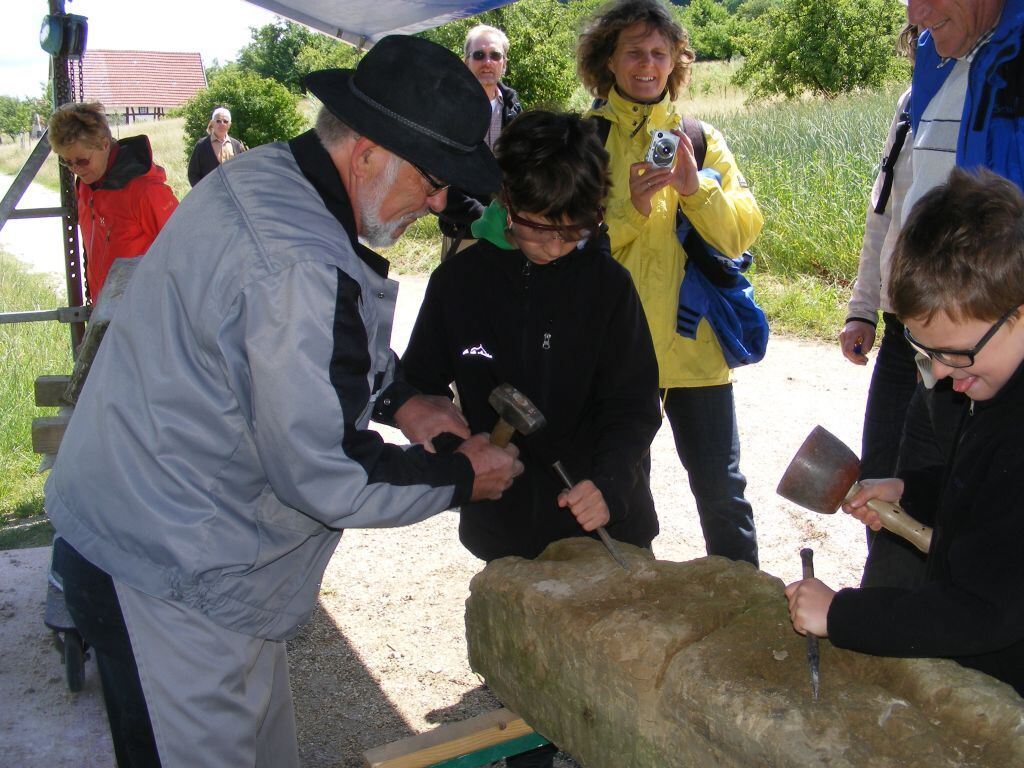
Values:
[(81, 162), (492, 55), (535, 232), (436, 186), (957, 358)]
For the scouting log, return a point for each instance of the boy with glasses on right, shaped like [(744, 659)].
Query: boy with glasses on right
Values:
[(958, 285)]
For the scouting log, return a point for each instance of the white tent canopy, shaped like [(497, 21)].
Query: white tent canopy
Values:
[(363, 22)]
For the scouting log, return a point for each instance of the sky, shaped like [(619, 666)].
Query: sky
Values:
[(172, 25)]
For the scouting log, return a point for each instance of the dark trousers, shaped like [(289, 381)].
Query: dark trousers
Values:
[(703, 423), (92, 602), (892, 561)]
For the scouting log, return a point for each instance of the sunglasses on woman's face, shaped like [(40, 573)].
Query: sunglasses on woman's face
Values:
[(80, 162), (492, 55)]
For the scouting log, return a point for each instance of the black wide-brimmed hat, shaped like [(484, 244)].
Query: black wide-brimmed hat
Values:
[(420, 101)]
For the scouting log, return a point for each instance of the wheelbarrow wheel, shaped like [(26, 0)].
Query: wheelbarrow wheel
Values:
[(74, 660)]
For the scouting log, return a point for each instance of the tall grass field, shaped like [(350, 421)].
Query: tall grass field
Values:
[(811, 166), (27, 350)]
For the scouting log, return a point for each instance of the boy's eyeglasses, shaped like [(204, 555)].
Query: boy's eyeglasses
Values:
[(957, 358), (492, 55), (81, 162), (535, 232), (436, 186)]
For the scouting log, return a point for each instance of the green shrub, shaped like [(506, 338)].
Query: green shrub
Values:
[(712, 29), (15, 116), (825, 47), (262, 110)]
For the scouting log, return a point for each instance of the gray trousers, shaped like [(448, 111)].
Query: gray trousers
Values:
[(216, 698)]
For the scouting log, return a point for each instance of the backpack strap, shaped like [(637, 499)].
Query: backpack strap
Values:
[(604, 127), (695, 133), (691, 127), (889, 161)]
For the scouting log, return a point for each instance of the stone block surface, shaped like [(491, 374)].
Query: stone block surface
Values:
[(696, 664)]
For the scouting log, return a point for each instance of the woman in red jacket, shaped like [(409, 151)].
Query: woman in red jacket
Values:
[(123, 198)]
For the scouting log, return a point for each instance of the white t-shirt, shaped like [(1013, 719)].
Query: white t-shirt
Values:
[(937, 133)]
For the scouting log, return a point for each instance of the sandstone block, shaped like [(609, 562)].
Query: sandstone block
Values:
[(697, 664)]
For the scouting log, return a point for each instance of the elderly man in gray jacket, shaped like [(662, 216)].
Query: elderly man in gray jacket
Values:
[(221, 443)]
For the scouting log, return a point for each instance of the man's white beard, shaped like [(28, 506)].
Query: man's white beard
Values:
[(374, 231)]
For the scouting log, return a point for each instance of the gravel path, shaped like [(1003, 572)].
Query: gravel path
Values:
[(385, 655)]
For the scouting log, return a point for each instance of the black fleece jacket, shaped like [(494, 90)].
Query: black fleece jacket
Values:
[(971, 607), (570, 335)]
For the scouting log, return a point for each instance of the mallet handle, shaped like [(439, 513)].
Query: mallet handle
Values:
[(502, 433), (895, 519)]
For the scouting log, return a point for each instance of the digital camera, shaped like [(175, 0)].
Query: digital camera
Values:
[(662, 152)]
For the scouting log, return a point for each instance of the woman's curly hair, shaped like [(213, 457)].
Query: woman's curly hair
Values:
[(600, 35), (84, 122)]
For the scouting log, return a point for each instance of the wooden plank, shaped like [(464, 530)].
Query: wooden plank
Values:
[(120, 274), (48, 431), (50, 390), (449, 741)]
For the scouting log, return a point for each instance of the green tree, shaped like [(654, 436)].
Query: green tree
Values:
[(262, 110), (711, 29), (323, 52), (44, 103), (825, 47), (274, 50), (542, 39), (15, 116)]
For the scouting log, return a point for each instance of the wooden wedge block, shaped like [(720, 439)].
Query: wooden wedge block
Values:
[(449, 741), (50, 390), (48, 431)]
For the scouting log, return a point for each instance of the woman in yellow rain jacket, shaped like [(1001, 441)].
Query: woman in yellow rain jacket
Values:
[(635, 57)]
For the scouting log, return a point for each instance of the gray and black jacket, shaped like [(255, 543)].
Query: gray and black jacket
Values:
[(220, 443)]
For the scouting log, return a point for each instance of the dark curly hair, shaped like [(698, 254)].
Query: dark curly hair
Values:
[(554, 165), (600, 35)]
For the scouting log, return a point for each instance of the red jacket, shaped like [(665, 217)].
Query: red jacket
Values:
[(121, 214)]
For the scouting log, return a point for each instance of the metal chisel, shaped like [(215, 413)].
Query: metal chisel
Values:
[(605, 538), (807, 558)]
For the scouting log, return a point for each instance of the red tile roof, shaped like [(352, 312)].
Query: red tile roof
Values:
[(121, 79)]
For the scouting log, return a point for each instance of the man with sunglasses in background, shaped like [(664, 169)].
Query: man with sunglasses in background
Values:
[(222, 441), (486, 55)]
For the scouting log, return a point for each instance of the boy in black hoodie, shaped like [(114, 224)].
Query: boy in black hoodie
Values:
[(958, 285), (539, 303)]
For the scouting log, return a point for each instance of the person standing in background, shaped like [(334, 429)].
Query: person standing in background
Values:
[(485, 52), (214, 148), (636, 57), (123, 197)]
